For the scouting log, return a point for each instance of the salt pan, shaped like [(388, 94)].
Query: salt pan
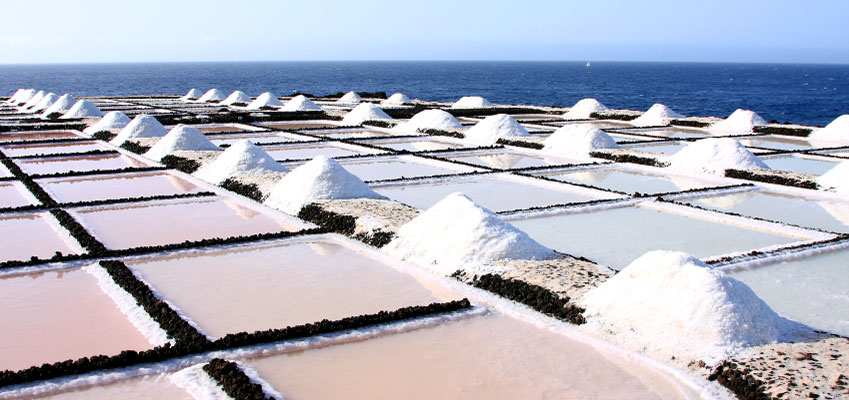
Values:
[(240, 159), (142, 126), (583, 108), (364, 112), (714, 156), (180, 138)]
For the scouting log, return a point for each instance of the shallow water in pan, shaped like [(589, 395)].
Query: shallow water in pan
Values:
[(55, 165), (288, 126), (59, 315), (19, 150), (149, 387), (230, 291), (104, 187), (308, 152), (662, 148), (777, 142), (19, 233), (14, 194), (800, 164), (629, 181), (675, 133), (486, 357), (393, 168), (414, 145), (258, 138), (38, 135), (507, 160)]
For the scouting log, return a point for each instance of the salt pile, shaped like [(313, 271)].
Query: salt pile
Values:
[(142, 126), (836, 179), (240, 159), (13, 99), (672, 304), (658, 114), (350, 97), (180, 138), (48, 100), (456, 233), (472, 102), (266, 99), (429, 119), (191, 95), (835, 133), (113, 120), (714, 156), (300, 103), (211, 95), (578, 140), (493, 127), (62, 105), (321, 178), (237, 96), (740, 121), (584, 108), (25, 96), (364, 112), (34, 99), (396, 99), (82, 109)]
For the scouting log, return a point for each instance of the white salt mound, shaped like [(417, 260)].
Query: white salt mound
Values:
[(113, 120), (48, 100), (142, 126), (212, 95), (62, 105), (714, 156), (237, 96), (578, 140), (429, 119), (321, 178), (180, 138), (493, 127), (835, 133), (583, 108), (82, 109), (364, 112), (192, 95), (740, 121), (266, 99), (674, 304), (836, 179), (14, 97), (350, 97), (396, 99), (240, 159), (24, 97), (456, 233), (300, 103), (658, 114), (34, 99), (472, 102)]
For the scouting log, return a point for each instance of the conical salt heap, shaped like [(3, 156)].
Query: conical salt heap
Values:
[(429, 119), (192, 95), (48, 100), (82, 109), (740, 121), (321, 178), (180, 138), (62, 105), (142, 126), (834, 134), (364, 112), (396, 99), (237, 96), (300, 103), (350, 97), (657, 115), (240, 159), (714, 156), (493, 127), (113, 120), (34, 99), (836, 179), (578, 140), (24, 96), (266, 99), (14, 97), (584, 108), (456, 233), (472, 102), (212, 95)]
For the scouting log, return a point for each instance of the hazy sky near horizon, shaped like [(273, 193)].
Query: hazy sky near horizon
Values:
[(50, 31)]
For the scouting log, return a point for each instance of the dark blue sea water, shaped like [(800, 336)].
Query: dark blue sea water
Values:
[(806, 94)]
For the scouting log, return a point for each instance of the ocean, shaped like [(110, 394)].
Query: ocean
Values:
[(804, 93)]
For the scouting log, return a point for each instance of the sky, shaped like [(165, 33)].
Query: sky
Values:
[(86, 31)]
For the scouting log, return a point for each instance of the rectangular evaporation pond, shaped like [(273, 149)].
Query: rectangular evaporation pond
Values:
[(537, 117), (486, 357), (38, 135), (507, 159), (328, 149), (58, 165), (225, 128), (800, 164), (33, 234), (629, 181), (813, 291), (620, 137), (496, 192), (158, 223), (675, 133), (157, 387), (615, 237), (601, 124), (288, 126), (59, 315), (661, 148), (776, 142), (259, 138), (20, 150), (274, 286), (414, 145), (353, 133), (104, 187), (14, 194), (831, 215), (399, 167)]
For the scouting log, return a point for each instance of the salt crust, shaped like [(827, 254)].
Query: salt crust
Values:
[(349, 97), (493, 127), (241, 158), (396, 99), (578, 140), (211, 95), (237, 96), (300, 103), (428, 119), (62, 105), (657, 114), (82, 109), (198, 383), (740, 121), (192, 95), (836, 133), (583, 108), (472, 102), (113, 120), (142, 126), (700, 312), (180, 138), (836, 179), (255, 378), (266, 99), (456, 233), (321, 178), (45, 102), (364, 112), (714, 156)]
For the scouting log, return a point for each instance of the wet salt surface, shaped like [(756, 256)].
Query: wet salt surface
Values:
[(814, 291), (601, 124), (274, 286), (800, 164), (630, 181), (58, 315), (148, 387), (14, 194), (298, 152), (662, 148), (104, 187), (38, 135), (776, 142), (4, 172), (55, 165), (615, 237), (397, 167), (258, 138), (157, 223), (414, 145), (486, 357), (508, 160), (32, 234), (297, 125), (675, 133), (19, 150), (350, 133)]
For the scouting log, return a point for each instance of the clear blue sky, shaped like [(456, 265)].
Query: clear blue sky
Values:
[(813, 31)]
